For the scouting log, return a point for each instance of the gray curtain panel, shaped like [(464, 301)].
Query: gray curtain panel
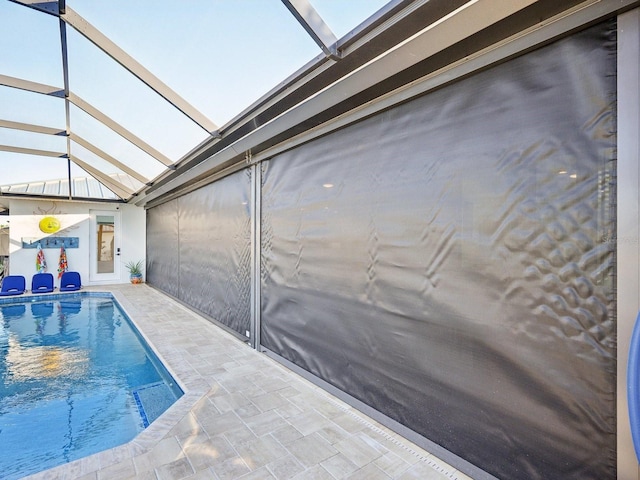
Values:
[(162, 248), (209, 267), (449, 262)]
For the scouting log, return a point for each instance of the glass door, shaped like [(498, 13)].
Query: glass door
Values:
[(105, 246)]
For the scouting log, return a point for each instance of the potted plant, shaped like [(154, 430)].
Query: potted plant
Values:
[(135, 271)]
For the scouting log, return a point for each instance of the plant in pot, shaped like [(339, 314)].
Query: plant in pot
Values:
[(135, 271)]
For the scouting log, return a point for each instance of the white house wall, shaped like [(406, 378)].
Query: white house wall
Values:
[(74, 218)]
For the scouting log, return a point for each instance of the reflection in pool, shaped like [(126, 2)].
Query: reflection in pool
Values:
[(75, 379)]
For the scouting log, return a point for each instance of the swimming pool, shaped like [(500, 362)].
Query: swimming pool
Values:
[(76, 378)]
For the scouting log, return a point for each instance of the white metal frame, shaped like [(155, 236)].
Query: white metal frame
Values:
[(628, 224), (67, 16), (471, 18), (101, 41), (256, 254), (314, 25)]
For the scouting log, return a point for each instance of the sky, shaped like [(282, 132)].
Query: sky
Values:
[(220, 55)]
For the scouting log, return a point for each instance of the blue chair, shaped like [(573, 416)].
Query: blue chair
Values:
[(70, 281), (13, 285), (42, 283)]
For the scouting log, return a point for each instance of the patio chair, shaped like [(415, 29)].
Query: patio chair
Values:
[(42, 283), (70, 281), (13, 285)]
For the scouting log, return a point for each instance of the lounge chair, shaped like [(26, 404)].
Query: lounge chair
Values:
[(42, 283), (13, 285), (70, 281)]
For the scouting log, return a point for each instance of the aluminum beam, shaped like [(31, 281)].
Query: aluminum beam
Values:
[(314, 25), (50, 6), (30, 86), (116, 53), (105, 156), (463, 22), (538, 34), (32, 151), (120, 130), (256, 252), (394, 11), (50, 90), (67, 109), (460, 24), (116, 187), (27, 127)]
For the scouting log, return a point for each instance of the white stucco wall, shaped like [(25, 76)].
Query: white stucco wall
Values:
[(4, 241), (74, 217)]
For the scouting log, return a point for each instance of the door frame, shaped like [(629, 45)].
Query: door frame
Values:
[(94, 276)]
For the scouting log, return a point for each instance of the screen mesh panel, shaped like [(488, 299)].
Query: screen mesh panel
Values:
[(449, 262), (162, 247), (215, 250), (199, 250)]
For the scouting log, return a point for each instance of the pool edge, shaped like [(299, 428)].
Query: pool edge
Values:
[(193, 385)]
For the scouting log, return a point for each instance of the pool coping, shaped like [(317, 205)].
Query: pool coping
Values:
[(34, 297), (182, 339), (193, 386)]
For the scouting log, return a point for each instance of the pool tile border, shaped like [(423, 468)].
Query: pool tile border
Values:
[(192, 386), (166, 448)]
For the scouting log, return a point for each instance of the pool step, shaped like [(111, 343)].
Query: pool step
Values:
[(152, 400)]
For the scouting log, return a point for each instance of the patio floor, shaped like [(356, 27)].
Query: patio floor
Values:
[(244, 416)]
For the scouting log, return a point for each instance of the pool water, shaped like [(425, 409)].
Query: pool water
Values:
[(75, 378)]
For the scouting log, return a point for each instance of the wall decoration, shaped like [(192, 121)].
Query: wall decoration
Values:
[(49, 225), (51, 242), (48, 211)]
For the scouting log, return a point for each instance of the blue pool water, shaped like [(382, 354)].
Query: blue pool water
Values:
[(75, 378)]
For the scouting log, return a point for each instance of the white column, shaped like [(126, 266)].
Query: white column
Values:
[(628, 234)]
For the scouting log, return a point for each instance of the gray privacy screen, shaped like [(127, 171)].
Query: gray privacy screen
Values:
[(162, 248), (199, 250), (448, 262)]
